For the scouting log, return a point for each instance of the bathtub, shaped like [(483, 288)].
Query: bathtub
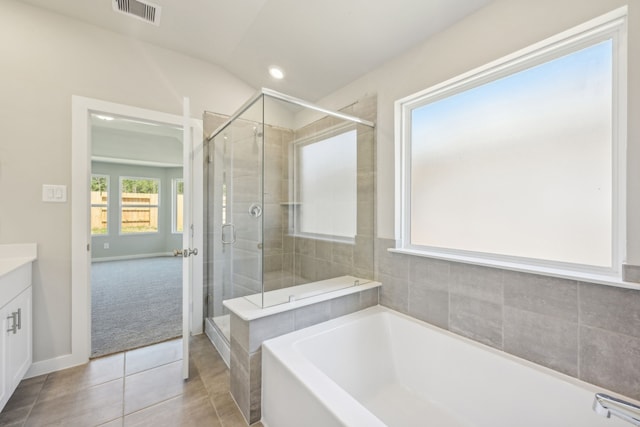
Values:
[(378, 367)]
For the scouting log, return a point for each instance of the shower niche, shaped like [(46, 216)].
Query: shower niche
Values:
[(289, 202)]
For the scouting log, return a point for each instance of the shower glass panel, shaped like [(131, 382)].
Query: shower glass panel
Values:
[(290, 201)]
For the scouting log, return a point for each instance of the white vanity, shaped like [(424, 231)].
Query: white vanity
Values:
[(15, 312)]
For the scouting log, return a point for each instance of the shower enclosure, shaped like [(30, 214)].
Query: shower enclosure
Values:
[(289, 202)]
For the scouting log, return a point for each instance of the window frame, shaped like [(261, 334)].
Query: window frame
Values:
[(612, 25), (174, 204), (101, 205), (122, 206)]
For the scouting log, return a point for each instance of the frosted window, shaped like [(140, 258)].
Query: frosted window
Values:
[(519, 166), (327, 186)]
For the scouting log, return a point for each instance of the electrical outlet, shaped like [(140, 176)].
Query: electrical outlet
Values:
[(106, 246)]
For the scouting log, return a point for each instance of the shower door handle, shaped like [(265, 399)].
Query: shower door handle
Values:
[(233, 234)]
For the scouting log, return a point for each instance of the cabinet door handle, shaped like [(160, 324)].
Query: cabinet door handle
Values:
[(19, 322), (14, 326)]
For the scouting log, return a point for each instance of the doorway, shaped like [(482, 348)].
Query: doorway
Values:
[(137, 195), (82, 109)]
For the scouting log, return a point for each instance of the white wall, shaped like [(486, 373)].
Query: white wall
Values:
[(46, 58), (491, 33)]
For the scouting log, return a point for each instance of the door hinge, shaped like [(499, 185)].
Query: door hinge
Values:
[(88, 247)]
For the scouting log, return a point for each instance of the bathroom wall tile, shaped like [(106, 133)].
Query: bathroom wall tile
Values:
[(337, 270), (546, 295), (610, 360), (269, 327), (239, 331), (323, 250), (546, 340), (611, 308), (323, 269), (363, 255), (306, 247), (394, 293), (477, 319), (255, 386), (393, 264), (342, 253), (369, 298), (239, 381), (482, 283), (433, 272), (365, 218), (631, 273), (312, 314), (429, 304), (345, 305)]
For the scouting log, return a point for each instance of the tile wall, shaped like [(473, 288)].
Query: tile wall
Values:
[(586, 330)]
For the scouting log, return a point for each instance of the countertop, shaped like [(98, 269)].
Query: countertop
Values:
[(14, 256)]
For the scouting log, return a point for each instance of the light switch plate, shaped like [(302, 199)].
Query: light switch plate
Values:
[(54, 193)]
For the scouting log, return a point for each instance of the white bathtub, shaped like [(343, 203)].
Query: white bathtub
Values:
[(378, 367)]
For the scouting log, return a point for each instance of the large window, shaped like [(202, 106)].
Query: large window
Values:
[(177, 207), (139, 203), (522, 159), (326, 186), (99, 205)]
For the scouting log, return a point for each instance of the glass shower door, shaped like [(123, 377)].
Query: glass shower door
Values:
[(235, 219)]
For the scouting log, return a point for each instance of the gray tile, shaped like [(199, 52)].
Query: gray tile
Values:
[(429, 305), (434, 272), (546, 295), (312, 314), (369, 298), (153, 386), (93, 405), (393, 264), (269, 327), (239, 385), (394, 293), (98, 371), (611, 308), (255, 385), (476, 319), (545, 340), (153, 356), (631, 273), (610, 360), (240, 331), (178, 411), (25, 395), (345, 305), (482, 283)]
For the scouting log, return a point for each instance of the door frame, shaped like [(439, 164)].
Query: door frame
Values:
[(80, 230)]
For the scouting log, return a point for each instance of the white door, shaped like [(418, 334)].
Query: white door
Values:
[(192, 233)]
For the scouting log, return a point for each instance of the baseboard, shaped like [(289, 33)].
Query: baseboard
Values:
[(55, 364), (136, 256)]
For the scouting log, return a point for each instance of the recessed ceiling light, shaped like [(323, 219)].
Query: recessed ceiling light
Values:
[(276, 73)]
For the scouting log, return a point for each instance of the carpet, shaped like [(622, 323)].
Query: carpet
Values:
[(135, 303)]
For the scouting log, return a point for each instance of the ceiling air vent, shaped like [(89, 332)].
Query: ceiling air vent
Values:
[(142, 10)]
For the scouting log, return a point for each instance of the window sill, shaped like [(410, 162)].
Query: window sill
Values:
[(602, 279)]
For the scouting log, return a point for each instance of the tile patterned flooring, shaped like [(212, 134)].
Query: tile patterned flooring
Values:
[(142, 387)]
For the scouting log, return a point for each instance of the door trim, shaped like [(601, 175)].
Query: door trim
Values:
[(80, 235)]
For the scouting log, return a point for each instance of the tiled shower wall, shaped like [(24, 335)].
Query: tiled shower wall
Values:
[(586, 330)]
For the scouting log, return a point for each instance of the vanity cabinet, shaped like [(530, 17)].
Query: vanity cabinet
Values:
[(18, 343), (16, 319)]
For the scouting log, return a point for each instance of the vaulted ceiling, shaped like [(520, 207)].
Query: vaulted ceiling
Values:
[(321, 45)]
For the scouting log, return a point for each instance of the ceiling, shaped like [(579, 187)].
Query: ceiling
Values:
[(321, 45)]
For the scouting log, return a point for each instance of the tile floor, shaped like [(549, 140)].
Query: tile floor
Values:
[(141, 387)]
